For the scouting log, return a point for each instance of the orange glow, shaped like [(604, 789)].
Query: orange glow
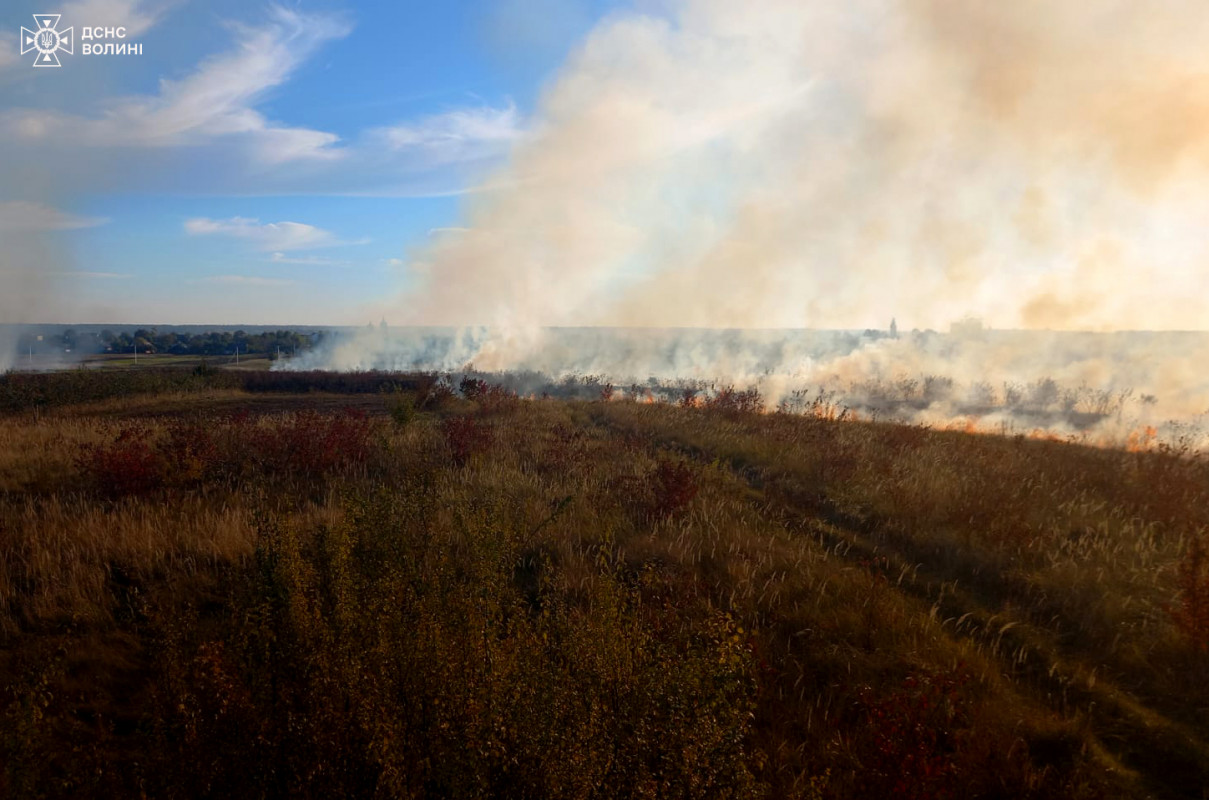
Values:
[(1141, 440)]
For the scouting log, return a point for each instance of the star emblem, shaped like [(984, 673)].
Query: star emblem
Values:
[(47, 40)]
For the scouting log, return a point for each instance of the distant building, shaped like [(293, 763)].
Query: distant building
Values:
[(893, 328)]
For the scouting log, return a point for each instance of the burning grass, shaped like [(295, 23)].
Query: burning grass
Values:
[(463, 593)]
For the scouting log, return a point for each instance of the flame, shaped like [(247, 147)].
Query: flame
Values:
[(1142, 439)]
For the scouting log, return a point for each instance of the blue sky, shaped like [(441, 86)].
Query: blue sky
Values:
[(526, 163), (260, 162)]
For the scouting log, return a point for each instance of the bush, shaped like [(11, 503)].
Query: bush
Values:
[(310, 444), (1191, 613), (733, 401), (673, 486), (130, 465), (466, 438)]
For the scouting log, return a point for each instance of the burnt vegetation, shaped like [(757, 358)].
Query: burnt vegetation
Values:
[(383, 585)]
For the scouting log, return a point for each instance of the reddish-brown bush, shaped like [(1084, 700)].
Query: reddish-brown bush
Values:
[(1191, 613), (466, 438), (733, 401), (911, 750), (497, 400), (192, 451), (129, 465), (310, 444), (673, 486)]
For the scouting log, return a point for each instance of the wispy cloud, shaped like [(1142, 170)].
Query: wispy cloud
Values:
[(244, 280), (275, 237), (115, 276), (216, 102), (310, 261), (24, 216), (136, 16), (461, 135), (208, 131), (9, 49)]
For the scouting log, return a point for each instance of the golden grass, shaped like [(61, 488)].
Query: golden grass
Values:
[(859, 609)]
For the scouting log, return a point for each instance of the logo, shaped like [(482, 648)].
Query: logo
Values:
[(47, 40)]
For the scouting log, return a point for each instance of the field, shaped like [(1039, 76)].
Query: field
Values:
[(219, 584)]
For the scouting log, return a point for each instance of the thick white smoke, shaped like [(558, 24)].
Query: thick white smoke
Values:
[(810, 164)]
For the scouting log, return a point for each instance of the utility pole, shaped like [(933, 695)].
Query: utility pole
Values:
[(136, 352)]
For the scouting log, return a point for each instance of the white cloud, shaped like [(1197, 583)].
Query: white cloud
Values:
[(276, 237), (310, 261), (136, 16), (244, 280), (9, 49), (456, 136), (216, 101), (21, 215), (116, 276), (206, 130)]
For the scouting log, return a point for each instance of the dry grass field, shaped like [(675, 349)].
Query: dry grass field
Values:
[(406, 590)]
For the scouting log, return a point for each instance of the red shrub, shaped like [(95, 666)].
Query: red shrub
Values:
[(466, 437), (1191, 615), (130, 465), (673, 486), (311, 444), (192, 450), (910, 743)]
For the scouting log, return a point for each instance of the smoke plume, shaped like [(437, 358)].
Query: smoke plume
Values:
[(787, 164)]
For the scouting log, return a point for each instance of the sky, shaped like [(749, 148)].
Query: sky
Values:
[(260, 163), (516, 164)]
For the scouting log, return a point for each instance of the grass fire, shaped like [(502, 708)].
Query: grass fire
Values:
[(604, 399)]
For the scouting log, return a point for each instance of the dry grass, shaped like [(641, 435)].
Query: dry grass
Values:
[(592, 599)]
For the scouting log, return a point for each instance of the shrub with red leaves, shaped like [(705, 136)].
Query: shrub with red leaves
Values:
[(192, 451), (466, 438), (310, 444), (910, 738), (130, 465), (1191, 614), (673, 487)]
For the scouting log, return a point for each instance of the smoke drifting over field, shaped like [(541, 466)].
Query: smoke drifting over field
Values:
[(808, 165), (29, 258), (783, 163), (1106, 388)]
